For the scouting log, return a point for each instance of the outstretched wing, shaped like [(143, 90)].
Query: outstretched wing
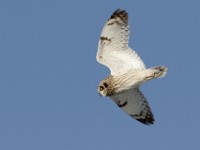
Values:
[(113, 50), (135, 104)]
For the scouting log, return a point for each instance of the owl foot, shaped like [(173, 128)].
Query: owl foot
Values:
[(157, 72)]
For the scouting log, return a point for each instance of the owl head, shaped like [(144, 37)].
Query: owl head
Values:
[(103, 88)]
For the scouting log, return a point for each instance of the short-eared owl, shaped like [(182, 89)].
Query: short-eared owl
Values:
[(128, 71)]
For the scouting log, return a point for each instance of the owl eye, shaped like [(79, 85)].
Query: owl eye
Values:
[(101, 88), (105, 84)]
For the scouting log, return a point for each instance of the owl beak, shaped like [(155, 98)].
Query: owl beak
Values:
[(100, 94)]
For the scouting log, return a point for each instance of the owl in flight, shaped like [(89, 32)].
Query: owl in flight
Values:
[(128, 71)]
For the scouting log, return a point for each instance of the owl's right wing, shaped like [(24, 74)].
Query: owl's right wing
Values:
[(135, 104), (113, 50)]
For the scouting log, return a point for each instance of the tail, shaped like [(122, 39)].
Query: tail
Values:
[(159, 71)]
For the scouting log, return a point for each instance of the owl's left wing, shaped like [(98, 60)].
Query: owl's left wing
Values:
[(135, 104)]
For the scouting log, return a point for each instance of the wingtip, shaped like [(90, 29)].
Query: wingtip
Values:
[(146, 122), (120, 13)]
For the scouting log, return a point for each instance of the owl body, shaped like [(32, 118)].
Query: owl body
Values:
[(131, 79)]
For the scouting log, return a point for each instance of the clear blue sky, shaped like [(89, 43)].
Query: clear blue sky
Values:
[(49, 75)]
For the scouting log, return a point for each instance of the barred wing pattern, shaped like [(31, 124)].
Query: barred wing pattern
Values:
[(135, 104), (113, 50)]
